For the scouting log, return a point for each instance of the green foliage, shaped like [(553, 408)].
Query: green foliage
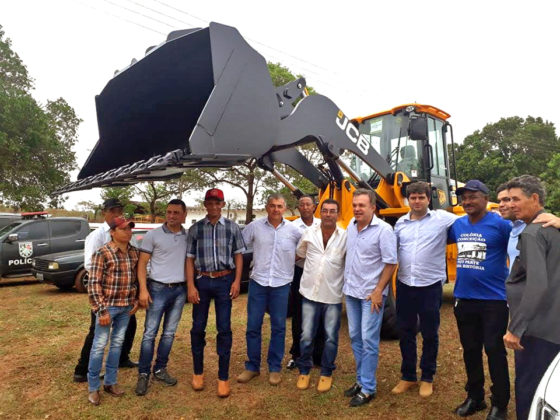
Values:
[(123, 194), (35, 141), (551, 178), (508, 148)]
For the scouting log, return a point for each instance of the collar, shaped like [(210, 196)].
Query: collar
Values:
[(167, 230), (115, 247), (105, 226), (374, 221), (536, 214), (517, 223), (429, 213), (270, 224), (221, 220)]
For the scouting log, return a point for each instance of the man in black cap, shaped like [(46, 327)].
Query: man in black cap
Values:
[(112, 208), (480, 306)]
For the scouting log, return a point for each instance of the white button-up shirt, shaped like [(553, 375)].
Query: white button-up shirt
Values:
[(367, 252), (422, 245), (323, 273), (94, 241), (274, 251), (302, 226)]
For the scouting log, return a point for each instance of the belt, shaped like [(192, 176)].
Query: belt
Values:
[(214, 274), (180, 283)]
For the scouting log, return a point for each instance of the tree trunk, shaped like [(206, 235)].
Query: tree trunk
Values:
[(153, 211), (250, 198)]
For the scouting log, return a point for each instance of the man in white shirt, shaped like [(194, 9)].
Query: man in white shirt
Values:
[(306, 207), (422, 240), (112, 208), (274, 242), (324, 250)]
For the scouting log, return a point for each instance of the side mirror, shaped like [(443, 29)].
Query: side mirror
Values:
[(418, 129), (12, 237)]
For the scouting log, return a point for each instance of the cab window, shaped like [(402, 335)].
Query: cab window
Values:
[(65, 227), (31, 231)]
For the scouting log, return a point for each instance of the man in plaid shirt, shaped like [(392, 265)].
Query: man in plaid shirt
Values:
[(112, 295), (214, 252)]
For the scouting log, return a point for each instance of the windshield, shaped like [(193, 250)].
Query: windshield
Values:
[(388, 135)]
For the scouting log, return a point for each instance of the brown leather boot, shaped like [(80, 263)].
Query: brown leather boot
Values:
[(223, 389), (403, 386), (113, 390), (94, 398), (198, 382)]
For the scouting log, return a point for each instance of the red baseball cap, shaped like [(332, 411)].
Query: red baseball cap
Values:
[(120, 222), (214, 194)]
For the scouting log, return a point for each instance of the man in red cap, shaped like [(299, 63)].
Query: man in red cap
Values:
[(213, 268), (112, 295)]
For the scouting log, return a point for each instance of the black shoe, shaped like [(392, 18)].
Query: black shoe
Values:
[(496, 413), (80, 378), (163, 376), (353, 390), (142, 384), (470, 407), (291, 364), (361, 399), (128, 364)]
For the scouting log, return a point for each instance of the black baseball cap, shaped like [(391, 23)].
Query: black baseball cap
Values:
[(473, 185), (111, 203)]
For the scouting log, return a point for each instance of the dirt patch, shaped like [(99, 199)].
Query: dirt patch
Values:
[(43, 330)]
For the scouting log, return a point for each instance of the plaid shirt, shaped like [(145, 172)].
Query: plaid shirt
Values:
[(112, 278), (213, 246)]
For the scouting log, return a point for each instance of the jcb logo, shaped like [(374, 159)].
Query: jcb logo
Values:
[(352, 133)]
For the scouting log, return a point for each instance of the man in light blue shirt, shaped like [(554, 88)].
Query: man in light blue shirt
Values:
[(517, 225), (274, 241), (371, 258), (422, 242)]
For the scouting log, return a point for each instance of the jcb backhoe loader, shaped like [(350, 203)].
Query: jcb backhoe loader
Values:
[(204, 98)]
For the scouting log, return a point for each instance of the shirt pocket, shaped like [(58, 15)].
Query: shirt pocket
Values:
[(286, 244)]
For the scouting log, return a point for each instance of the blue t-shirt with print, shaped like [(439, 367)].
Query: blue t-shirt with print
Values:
[(481, 257)]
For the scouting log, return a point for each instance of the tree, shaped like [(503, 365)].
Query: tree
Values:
[(124, 195), (152, 192), (551, 178), (506, 149), (35, 141)]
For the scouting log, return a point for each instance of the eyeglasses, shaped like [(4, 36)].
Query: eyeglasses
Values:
[(329, 211)]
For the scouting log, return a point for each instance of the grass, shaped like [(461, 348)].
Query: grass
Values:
[(42, 330)]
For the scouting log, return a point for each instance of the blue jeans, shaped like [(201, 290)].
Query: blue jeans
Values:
[(316, 314), (415, 303), (261, 298), (167, 302), (364, 328), (117, 328), (208, 289)]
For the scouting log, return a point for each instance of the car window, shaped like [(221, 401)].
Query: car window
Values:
[(65, 227), (6, 229), (31, 231), (138, 236)]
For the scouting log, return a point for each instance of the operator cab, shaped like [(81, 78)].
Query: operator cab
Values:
[(412, 139)]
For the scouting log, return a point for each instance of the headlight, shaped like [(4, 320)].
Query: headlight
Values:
[(546, 412), (33, 263), (53, 266)]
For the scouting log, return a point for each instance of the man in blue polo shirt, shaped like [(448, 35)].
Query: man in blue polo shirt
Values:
[(480, 299)]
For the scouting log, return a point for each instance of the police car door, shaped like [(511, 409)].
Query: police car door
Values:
[(31, 241)]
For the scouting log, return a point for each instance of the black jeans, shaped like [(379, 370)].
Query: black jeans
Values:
[(208, 289), (483, 323), (415, 303), (530, 366), (294, 309), (82, 366)]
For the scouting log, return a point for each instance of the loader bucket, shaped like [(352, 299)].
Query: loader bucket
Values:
[(204, 97)]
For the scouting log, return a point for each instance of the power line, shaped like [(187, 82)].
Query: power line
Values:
[(139, 13), (161, 13)]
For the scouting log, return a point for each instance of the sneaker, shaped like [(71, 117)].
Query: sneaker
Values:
[(291, 364), (142, 384), (303, 381), (325, 383), (246, 376), (353, 390), (163, 376), (403, 386), (360, 399)]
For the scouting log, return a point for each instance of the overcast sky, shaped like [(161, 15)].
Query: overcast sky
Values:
[(477, 60)]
